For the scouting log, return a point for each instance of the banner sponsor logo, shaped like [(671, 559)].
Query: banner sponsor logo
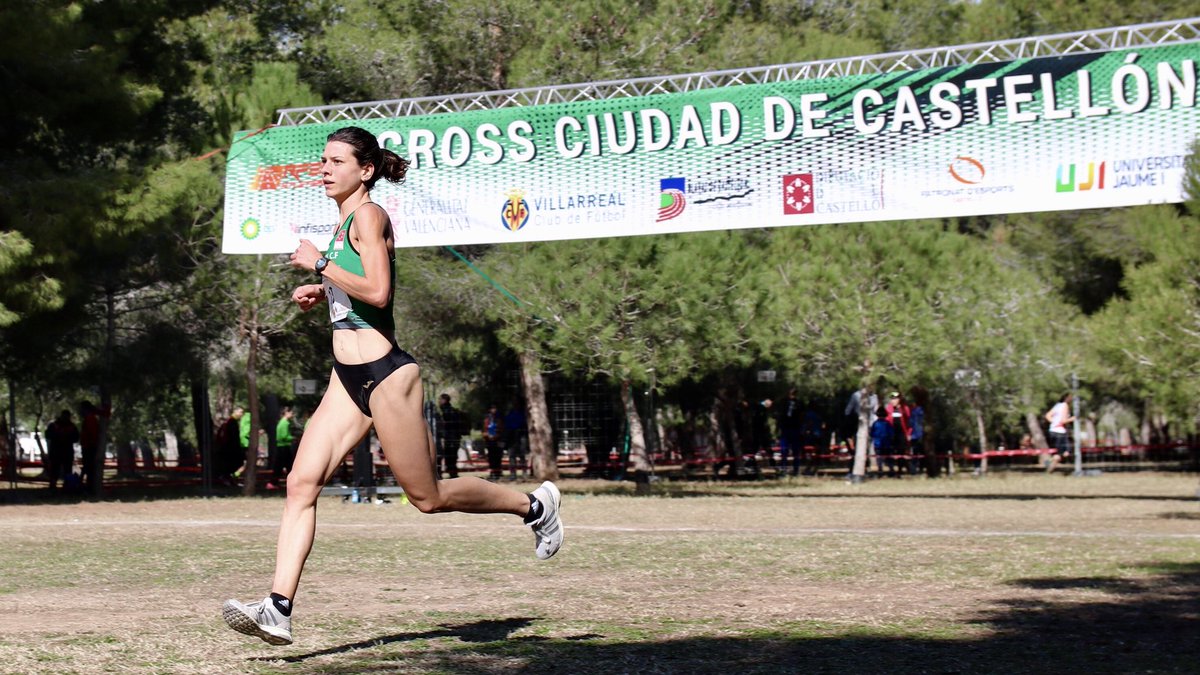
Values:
[(286, 176), (601, 200), (1146, 172), (1135, 172), (251, 228), (966, 180), (671, 201), (515, 212), (797, 194), (838, 192), (427, 206), (721, 193), (1091, 176), (967, 170)]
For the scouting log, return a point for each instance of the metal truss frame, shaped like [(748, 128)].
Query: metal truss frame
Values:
[(1082, 42)]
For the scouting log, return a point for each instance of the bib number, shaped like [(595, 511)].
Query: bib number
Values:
[(339, 302)]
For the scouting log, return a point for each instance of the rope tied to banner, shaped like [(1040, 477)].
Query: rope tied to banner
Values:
[(218, 151), (521, 304)]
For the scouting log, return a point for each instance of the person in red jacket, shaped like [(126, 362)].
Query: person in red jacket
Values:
[(899, 414)]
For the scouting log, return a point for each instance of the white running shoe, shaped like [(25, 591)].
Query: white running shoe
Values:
[(259, 619), (548, 529)]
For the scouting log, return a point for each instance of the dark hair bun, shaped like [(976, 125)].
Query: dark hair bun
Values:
[(393, 167)]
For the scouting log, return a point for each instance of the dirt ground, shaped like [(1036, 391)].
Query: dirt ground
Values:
[(1018, 574)]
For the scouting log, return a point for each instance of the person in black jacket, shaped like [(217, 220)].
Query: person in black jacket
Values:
[(790, 420), (450, 433)]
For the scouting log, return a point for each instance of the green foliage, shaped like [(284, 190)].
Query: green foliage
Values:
[(632, 306), (904, 304), (1148, 344), (105, 201)]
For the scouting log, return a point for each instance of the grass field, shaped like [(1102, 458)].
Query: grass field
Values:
[(1024, 574)]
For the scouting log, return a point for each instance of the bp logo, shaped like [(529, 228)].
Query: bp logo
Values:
[(515, 212), (251, 228)]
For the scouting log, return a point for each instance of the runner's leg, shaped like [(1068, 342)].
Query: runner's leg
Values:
[(336, 426), (408, 447)]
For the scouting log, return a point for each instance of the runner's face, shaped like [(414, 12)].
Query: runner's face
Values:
[(341, 173)]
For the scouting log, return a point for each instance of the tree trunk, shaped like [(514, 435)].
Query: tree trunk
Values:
[(1144, 436), (110, 346), (543, 458), (10, 434), (982, 430), (638, 457), (721, 431), (1125, 443), (863, 437), (250, 474), (1036, 438), (1089, 429), (1034, 427), (933, 463)]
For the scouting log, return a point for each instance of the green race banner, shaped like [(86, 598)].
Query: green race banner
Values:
[(1104, 129)]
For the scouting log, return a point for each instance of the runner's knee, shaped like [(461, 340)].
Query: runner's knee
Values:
[(428, 503), (302, 487)]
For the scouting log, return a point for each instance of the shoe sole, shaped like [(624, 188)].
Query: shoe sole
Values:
[(557, 497), (244, 623)]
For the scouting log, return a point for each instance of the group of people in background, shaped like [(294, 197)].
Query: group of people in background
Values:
[(501, 434), (61, 436), (898, 431), (232, 443), (896, 438)]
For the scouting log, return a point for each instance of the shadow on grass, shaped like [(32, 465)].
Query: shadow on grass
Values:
[(1147, 626), (479, 631)]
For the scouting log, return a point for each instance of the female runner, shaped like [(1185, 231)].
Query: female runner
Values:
[(373, 382)]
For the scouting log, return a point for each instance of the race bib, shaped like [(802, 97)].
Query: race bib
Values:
[(339, 302)]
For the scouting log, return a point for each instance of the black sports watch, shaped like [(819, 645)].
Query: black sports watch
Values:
[(320, 265)]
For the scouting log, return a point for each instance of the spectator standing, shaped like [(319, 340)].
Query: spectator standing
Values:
[(790, 420), (748, 443), (61, 437), (1059, 417), (285, 448), (92, 456), (244, 423), (882, 439), (450, 434), (916, 436), (229, 453), (853, 412), (517, 438), (764, 441), (812, 430), (898, 414), (493, 426)]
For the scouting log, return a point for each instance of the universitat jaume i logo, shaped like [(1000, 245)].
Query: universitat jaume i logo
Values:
[(671, 202), (515, 212), (251, 228)]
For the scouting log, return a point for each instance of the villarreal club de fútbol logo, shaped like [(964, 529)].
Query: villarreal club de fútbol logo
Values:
[(515, 212)]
